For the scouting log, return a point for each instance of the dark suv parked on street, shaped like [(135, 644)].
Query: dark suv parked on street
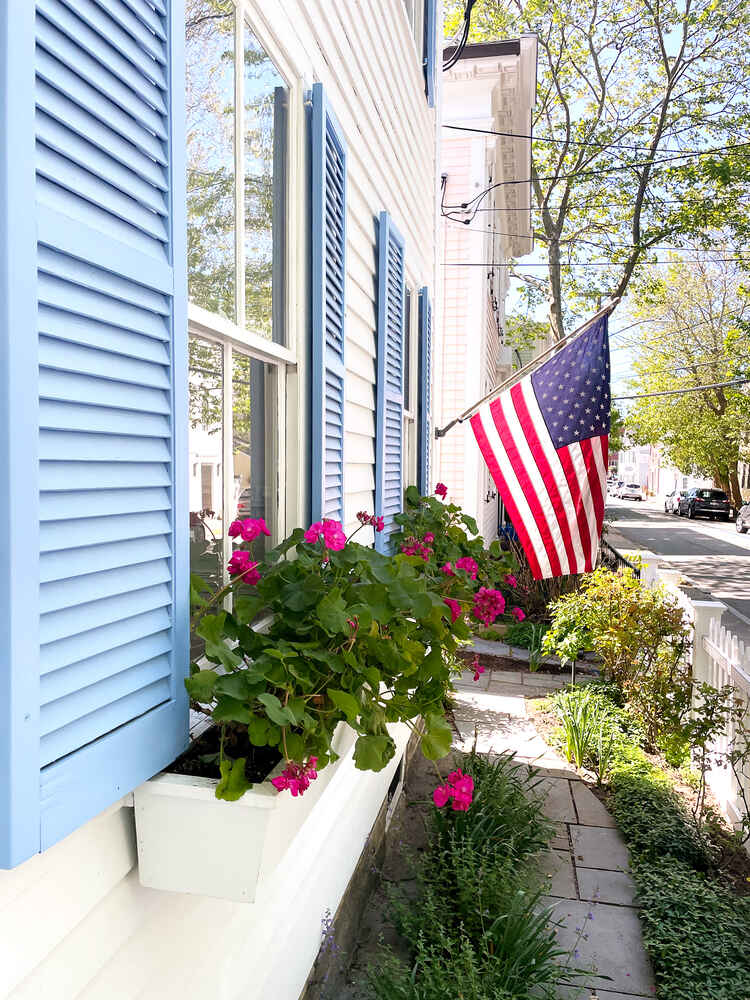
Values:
[(705, 503)]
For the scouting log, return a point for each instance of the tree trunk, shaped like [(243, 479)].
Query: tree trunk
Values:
[(735, 493), (555, 291)]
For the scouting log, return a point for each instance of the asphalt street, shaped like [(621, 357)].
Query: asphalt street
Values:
[(711, 554)]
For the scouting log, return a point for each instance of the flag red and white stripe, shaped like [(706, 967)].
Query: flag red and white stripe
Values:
[(551, 478)]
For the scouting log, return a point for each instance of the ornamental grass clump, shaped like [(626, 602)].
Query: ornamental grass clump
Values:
[(478, 928)]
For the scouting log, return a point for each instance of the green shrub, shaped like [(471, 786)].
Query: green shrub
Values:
[(527, 635), (696, 932), (641, 637)]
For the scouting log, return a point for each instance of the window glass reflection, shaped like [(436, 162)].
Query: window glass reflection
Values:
[(266, 102), (206, 445), (249, 449), (209, 52)]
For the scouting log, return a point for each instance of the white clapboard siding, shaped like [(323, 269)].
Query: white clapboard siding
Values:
[(75, 924)]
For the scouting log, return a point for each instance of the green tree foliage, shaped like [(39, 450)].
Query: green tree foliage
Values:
[(696, 332), (616, 430), (622, 89)]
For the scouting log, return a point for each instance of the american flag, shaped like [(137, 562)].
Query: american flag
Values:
[(545, 441)]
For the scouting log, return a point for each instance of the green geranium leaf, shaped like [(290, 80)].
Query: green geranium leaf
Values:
[(241, 684), (212, 628), (345, 702), (437, 738), (200, 686), (233, 784), (295, 746), (372, 753), (231, 710), (275, 710), (247, 609), (257, 730), (413, 496), (332, 612), (198, 587)]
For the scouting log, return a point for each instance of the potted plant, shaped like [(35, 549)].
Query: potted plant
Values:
[(357, 649)]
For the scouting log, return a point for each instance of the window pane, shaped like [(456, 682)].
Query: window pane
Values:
[(205, 443), (249, 437), (209, 52), (266, 102)]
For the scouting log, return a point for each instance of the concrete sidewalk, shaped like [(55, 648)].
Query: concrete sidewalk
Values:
[(587, 863)]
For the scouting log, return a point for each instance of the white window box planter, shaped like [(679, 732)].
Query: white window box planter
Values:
[(190, 841)]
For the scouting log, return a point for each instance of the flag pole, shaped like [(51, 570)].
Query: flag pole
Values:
[(529, 366)]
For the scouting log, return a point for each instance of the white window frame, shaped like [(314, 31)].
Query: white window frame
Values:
[(288, 492)]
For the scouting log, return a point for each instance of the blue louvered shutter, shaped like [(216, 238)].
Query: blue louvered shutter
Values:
[(328, 310), (424, 410), (111, 627), (389, 445), (430, 50)]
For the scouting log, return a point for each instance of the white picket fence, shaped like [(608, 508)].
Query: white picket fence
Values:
[(718, 658), (726, 661)]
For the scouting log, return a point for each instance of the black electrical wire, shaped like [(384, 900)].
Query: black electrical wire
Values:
[(459, 50), (605, 263), (598, 145), (564, 242), (682, 392)]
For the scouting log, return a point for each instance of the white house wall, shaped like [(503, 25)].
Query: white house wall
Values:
[(75, 924)]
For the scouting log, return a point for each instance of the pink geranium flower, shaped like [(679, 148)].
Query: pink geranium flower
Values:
[(330, 531), (478, 669), (459, 787), (296, 777), (429, 538), (511, 580), (455, 608), (248, 529), (447, 569), (488, 604), (441, 490), (469, 565), (243, 566), (378, 523), (518, 614)]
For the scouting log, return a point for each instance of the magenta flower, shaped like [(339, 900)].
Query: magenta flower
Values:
[(441, 795), (243, 566), (330, 531), (413, 547), (441, 490), (467, 564), (249, 528), (447, 569), (296, 777), (459, 787), (429, 538), (454, 606), (511, 580), (478, 669), (378, 523), (488, 604), (518, 614)]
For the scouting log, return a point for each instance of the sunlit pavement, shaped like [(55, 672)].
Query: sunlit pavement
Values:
[(711, 554)]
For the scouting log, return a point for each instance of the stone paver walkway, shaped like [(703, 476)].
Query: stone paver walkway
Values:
[(587, 863)]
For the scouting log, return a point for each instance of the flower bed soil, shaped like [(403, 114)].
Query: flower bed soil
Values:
[(519, 660), (201, 759)]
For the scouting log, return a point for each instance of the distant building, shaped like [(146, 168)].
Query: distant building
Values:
[(491, 89)]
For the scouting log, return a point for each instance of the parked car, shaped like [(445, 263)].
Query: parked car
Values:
[(705, 503), (743, 519), (672, 501), (631, 491)]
